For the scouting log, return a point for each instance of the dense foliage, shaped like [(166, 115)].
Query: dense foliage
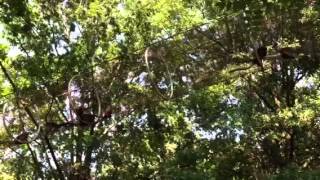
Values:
[(160, 89)]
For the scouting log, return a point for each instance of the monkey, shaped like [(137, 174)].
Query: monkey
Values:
[(107, 113), (286, 52), (72, 27), (21, 138), (260, 54), (84, 118), (84, 99), (87, 119), (153, 54), (157, 56)]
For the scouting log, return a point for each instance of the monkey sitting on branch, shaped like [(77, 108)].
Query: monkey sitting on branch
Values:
[(259, 55), (87, 119), (21, 138)]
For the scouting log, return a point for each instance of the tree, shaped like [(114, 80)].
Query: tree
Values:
[(159, 89)]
